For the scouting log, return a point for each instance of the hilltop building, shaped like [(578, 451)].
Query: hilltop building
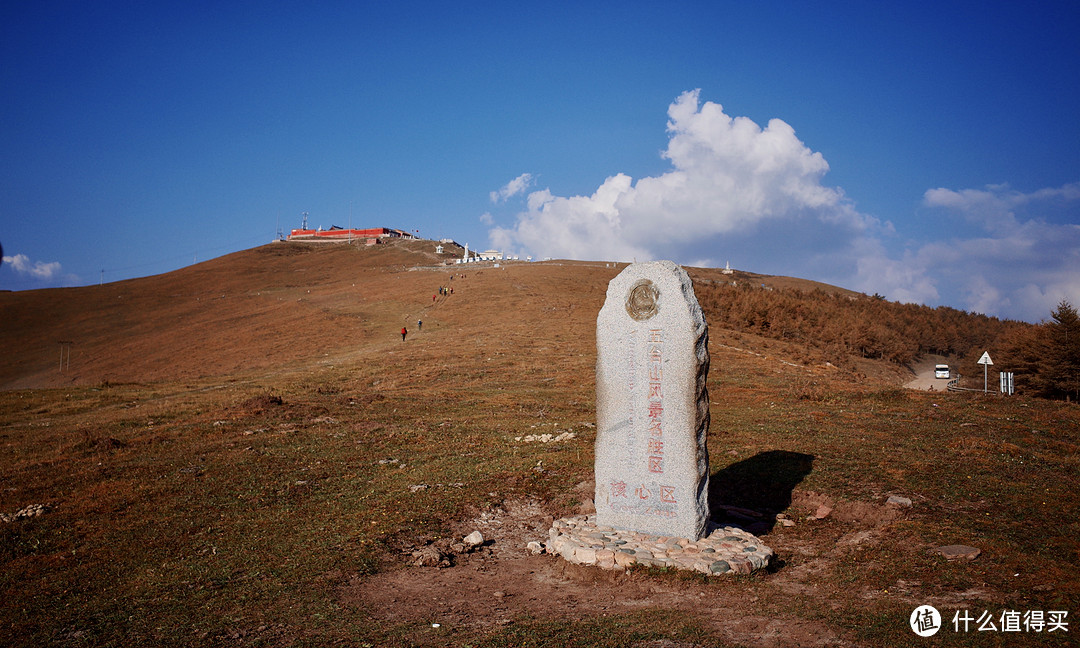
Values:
[(487, 255), (338, 234)]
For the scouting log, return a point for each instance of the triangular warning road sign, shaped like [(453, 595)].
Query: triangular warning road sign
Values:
[(985, 359)]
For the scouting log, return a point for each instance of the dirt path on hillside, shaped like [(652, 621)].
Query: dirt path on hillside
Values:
[(924, 374)]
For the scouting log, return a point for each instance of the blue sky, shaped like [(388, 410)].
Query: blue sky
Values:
[(929, 152)]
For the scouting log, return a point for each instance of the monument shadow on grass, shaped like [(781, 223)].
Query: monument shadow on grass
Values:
[(763, 483)]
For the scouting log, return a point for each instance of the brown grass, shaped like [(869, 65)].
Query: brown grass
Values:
[(229, 461)]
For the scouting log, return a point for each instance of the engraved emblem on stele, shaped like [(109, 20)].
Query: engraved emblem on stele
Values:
[(642, 302)]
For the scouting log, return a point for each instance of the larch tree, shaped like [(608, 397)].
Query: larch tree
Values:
[(1060, 367)]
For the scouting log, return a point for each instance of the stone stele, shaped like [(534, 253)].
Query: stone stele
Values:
[(652, 407)]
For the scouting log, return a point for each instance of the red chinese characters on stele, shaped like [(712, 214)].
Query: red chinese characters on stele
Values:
[(643, 492), (655, 407)]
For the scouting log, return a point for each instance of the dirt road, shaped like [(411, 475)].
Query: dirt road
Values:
[(924, 374)]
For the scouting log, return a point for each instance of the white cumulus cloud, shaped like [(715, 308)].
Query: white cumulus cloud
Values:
[(735, 190), (21, 264), (512, 188)]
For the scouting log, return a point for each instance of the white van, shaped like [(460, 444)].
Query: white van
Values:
[(941, 371)]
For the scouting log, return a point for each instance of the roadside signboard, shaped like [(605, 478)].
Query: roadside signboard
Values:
[(985, 361)]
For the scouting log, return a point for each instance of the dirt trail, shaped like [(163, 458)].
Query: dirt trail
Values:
[(924, 374)]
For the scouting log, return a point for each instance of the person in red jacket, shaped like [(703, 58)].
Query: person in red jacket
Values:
[(404, 332)]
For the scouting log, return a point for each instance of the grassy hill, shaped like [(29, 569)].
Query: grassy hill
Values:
[(244, 452), (245, 311), (281, 304)]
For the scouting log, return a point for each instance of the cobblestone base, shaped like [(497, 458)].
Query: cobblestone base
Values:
[(34, 510), (724, 550)]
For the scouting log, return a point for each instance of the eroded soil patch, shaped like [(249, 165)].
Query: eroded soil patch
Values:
[(501, 584)]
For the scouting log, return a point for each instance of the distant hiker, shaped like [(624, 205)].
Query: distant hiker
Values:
[(451, 291), (404, 332), (419, 325), (433, 297)]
